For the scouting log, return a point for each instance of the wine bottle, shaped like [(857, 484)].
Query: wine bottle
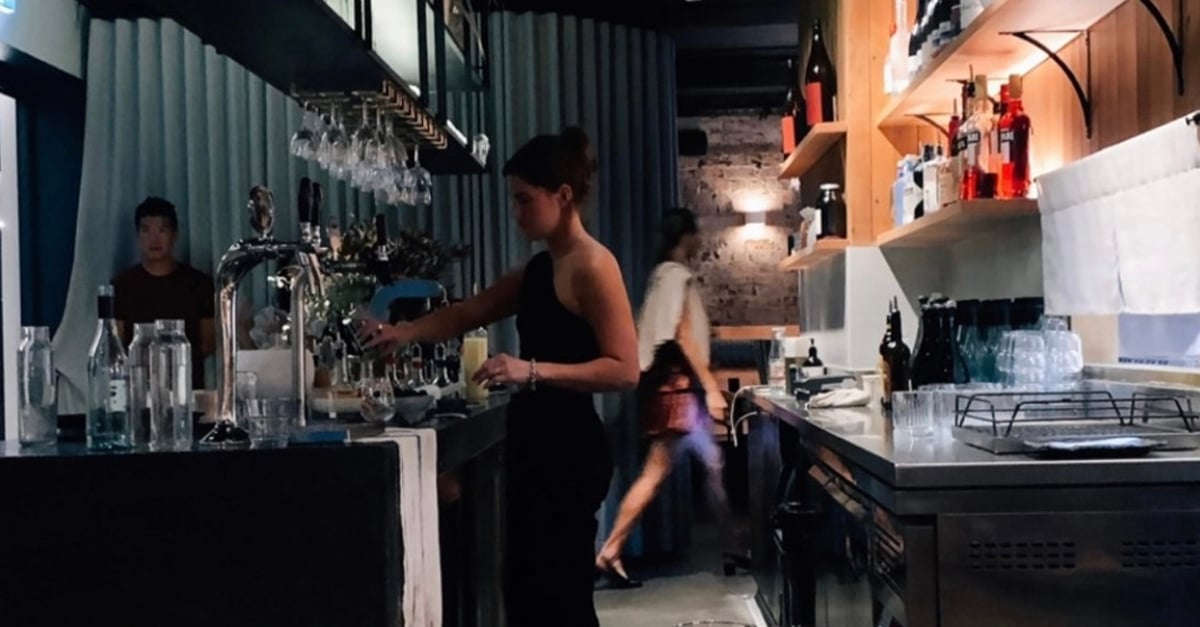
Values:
[(108, 422), (899, 357), (884, 362), (820, 81), (812, 366)]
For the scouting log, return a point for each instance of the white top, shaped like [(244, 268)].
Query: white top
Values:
[(671, 285)]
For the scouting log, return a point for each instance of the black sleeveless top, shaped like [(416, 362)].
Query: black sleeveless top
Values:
[(555, 432)]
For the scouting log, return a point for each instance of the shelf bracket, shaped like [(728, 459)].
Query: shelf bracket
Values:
[(1172, 40), (1082, 94), (930, 121)]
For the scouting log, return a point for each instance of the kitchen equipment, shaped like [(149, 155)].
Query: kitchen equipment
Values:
[(1029, 422)]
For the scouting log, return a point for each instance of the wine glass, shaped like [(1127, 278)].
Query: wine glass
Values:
[(306, 140), (422, 181), (335, 146)]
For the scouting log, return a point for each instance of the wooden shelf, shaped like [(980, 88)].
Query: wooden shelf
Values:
[(985, 48), (815, 144), (822, 250), (956, 222)]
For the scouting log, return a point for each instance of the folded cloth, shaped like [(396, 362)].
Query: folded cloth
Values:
[(421, 598), (844, 397)]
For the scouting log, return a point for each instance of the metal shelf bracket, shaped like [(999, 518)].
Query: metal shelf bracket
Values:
[(1081, 93), (1173, 40), (928, 119)]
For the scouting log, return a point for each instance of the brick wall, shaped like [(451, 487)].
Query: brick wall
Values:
[(738, 262)]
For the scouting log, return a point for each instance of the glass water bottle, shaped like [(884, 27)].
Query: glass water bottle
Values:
[(171, 382), (140, 398), (38, 401), (776, 363)]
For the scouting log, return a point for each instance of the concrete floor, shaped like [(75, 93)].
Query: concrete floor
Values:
[(693, 588)]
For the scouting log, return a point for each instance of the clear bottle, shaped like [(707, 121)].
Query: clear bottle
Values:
[(171, 385), (37, 378), (776, 362), (108, 381), (140, 399)]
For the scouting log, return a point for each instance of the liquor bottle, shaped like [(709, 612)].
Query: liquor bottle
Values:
[(884, 363), (956, 122), (896, 73), (381, 265), (820, 81), (961, 143), (108, 381), (996, 165), (977, 151), (897, 355), (1014, 143), (926, 363), (37, 389), (777, 360), (812, 366)]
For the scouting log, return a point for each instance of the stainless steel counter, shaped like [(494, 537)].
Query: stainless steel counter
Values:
[(858, 528), (864, 437)]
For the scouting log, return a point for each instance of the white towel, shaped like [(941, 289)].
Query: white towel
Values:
[(842, 397), (1158, 236), (421, 598), (1119, 227)]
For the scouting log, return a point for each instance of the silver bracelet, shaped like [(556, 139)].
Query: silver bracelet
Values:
[(533, 376)]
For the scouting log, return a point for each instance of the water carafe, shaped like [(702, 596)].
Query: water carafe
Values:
[(38, 404), (171, 385)]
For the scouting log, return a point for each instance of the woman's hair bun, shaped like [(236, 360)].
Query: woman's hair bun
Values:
[(578, 144)]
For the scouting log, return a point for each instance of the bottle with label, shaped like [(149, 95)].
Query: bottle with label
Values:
[(960, 141), (812, 366), (977, 149), (1014, 143), (820, 81), (108, 381), (472, 355), (795, 115), (833, 211)]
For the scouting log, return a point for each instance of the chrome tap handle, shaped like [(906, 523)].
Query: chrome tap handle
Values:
[(261, 210)]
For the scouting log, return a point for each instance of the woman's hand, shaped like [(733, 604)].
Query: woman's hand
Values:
[(375, 334), (501, 370)]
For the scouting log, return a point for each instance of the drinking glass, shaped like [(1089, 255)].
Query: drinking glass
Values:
[(307, 139), (378, 396), (1028, 360), (1064, 358), (334, 147), (245, 386), (269, 421), (912, 414)]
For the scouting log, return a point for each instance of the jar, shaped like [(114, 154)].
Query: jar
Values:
[(833, 211)]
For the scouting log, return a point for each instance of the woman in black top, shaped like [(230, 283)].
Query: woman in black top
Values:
[(577, 338)]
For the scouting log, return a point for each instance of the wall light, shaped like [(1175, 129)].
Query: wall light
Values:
[(754, 201)]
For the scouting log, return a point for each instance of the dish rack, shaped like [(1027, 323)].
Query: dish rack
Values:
[(1013, 422)]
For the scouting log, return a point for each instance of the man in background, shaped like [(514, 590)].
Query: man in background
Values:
[(163, 288)]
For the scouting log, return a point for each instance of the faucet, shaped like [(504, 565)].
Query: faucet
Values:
[(304, 273)]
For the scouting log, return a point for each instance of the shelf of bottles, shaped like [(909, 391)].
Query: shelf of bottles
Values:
[(816, 143), (957, 221), (810, 125), (929, 60), (827, 248)]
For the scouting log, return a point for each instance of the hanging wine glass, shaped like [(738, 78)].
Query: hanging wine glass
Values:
[(307, 139), (423, 181), (334, 147)]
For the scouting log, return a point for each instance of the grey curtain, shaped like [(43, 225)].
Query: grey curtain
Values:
[(618, 83), (168, 116)]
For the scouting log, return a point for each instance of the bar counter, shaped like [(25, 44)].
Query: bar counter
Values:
[(854, 527), (304, 535)]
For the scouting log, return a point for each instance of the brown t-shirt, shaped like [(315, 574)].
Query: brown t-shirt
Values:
[(186, 294)]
